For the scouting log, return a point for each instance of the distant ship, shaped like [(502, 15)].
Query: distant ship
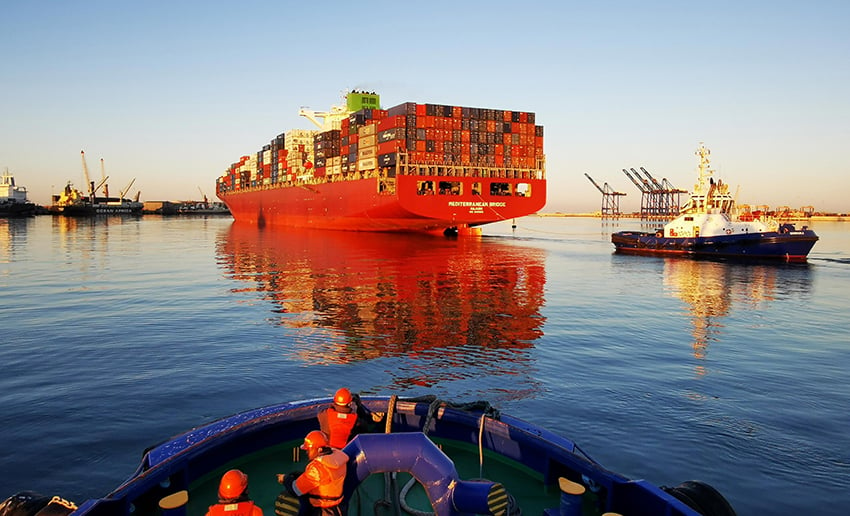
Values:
[(710, 225), (412, 167), (13, 198), (74, 203)]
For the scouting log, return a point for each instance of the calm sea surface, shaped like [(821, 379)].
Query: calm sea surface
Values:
[(118, 333)]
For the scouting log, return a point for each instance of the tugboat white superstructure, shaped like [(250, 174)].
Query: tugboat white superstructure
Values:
[(710, 224)]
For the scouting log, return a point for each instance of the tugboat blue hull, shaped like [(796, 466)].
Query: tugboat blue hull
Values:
[(789, 246)]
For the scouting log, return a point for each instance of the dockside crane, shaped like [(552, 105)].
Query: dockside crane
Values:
[(645, 191), (206, 200), (89, 183), (667, 201), (123, 192), (103, 178), (610, 198)]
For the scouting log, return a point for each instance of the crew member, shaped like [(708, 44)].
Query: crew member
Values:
[(339, 419), (345, 418), (233, 499), (322, 481)]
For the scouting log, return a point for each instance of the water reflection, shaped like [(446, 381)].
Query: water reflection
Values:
[(13, 235), (712, 289), (455, 305)]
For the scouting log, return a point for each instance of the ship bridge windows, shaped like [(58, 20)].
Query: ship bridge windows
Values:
[(450, 188), (523, 190), (425, 187), (500, 189), (386, 186)]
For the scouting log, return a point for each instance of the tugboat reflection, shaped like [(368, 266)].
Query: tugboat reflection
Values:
[(461, 303), (711, 289)]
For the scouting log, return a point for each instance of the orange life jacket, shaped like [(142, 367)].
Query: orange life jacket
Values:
[(340, 425), (246, 508), (323, 478)]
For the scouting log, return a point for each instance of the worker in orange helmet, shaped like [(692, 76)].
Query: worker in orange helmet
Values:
[(233, 499), (322, 481), (342, 420)]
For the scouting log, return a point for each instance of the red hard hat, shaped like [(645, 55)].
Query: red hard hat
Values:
[(342, 397), (315, 439), (233, 484)]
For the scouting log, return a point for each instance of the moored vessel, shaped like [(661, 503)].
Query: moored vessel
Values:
[(710, 224), (72, 202), (422, 455), (412, 167), (13, 198)]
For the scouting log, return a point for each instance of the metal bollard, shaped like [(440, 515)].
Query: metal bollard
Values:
[(571, 493)]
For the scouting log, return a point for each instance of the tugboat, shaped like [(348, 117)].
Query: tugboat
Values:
[(710, 225), (13, 198), (421, 456)]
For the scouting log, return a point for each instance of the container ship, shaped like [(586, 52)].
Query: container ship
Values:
[(412, 168)]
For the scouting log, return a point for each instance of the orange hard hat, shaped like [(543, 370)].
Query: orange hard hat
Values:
[(233, 484), (315, 439), (342, 396)]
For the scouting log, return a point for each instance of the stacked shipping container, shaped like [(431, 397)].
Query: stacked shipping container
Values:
[(372, 139)]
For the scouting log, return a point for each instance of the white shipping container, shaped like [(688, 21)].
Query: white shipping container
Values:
[(367, 164), (368, 152), (367, 141)]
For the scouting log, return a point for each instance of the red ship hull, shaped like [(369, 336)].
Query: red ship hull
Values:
[(370, 205)]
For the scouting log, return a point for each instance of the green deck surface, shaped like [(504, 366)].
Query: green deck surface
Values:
[(372, 497)]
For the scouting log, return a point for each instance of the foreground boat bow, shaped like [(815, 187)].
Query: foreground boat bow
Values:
[(442, 457)]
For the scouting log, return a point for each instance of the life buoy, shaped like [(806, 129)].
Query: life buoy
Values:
[(450, 496), (728, 231)]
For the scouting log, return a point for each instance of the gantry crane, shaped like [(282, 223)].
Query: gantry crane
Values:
[(610, 199), (658, 200)]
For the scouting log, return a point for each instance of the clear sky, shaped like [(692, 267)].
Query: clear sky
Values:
[(172, 92)]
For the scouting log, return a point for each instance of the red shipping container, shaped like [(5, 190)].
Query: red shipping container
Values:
[(420, 110), (388, 146)]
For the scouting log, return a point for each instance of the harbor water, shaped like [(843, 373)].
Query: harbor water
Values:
[(121, 332)]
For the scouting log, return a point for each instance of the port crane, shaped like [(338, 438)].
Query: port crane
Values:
[(123, 192), (610, 198), (103, 180), (206, 200), (658, 200), (89, 183)]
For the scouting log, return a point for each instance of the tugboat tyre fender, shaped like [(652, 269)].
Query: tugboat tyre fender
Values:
[(29, 503), (702, 498)]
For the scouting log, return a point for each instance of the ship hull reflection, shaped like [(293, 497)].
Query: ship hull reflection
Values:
[(375, 295)]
